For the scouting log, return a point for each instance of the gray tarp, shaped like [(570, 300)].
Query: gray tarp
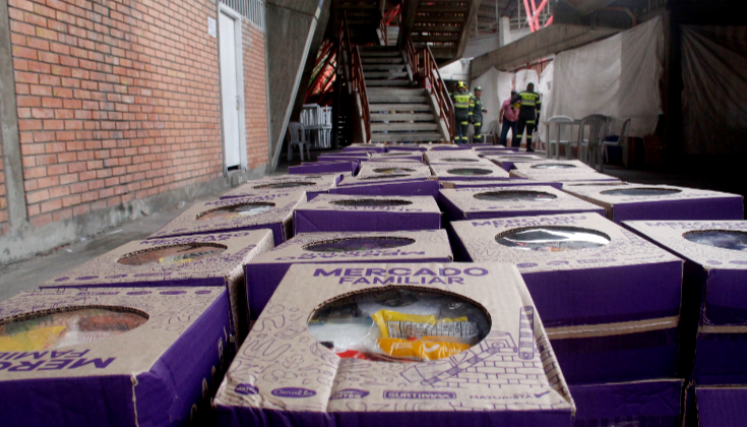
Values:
[(714, 106)]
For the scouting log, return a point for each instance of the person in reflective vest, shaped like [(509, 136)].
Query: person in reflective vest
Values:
[(462, 99), (477, 110), (529, 115)]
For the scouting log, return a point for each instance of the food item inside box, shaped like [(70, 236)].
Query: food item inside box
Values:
[(515, 196), (354, 244), (399, 325), (469, 172), (176, 254), (553, 239), (235, 211), (642, 192), (732, 240)]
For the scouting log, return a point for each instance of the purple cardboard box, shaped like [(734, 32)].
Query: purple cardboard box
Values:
[(570, 185), (610, 299), (484, 171), (452, 157), (265, 209), (508, 162), (565, 176), (398, 155), (641, 403), (264, 273), (721, 406), (313, 185), (446, 147), (337, 157), (422, 187), (552, 167), (339, 212), (503, 202), (112, 357), (287, 374), (375, 172), (325, 167), (714, 298), (638, 202), (406, 147), (198, 260), (377, 148), (514, 182)]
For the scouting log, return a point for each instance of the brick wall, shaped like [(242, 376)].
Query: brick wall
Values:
[(120, 100), (255, 94)]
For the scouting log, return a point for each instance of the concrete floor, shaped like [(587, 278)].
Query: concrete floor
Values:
[(29, 274)]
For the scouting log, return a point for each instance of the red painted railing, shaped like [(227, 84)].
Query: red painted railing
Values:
[(354, 73)]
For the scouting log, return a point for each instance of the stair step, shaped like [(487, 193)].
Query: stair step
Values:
[(371, 60), (384, 74), (378, 127), (398, 107), (422, 117), (430, 38), (386, 83), (394, 53), (383, 67), (411, 136), (437, 28), (453, 17)]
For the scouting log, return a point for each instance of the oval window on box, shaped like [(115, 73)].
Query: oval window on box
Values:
[(648, 191), (459, 160), (355, 244), (393, 170), (384, 176), (553, 239), (399, 324), (554, 166), (515, 196), (176, 254), (51, 329), (236, 211), (469, 172), (371, 202), (724, 239), (288, 184)]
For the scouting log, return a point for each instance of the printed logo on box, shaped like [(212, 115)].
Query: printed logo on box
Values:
[(349, 393), (293, 392), (246, 389), (419, 395)]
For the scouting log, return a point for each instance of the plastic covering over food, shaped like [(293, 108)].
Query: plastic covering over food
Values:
[(597, 184), (66, 328), (732, 240), (393, 170), (642, 192), (399, 325), (455, 160), (516, 196), (292, 184), (469, 171), (177, 254), (553, 239), (354, 244), (554, 166), (236, 211), (371, 202)]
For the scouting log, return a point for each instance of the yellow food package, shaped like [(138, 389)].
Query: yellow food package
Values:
[(35, 339), (426, 348), (381, 318)]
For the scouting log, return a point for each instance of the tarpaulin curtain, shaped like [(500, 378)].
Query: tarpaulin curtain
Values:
[(714, 106), (617, 77)]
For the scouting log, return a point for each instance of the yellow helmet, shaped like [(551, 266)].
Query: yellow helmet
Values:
[(461, 84)]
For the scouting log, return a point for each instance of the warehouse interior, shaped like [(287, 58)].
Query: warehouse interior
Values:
[(320, 212)]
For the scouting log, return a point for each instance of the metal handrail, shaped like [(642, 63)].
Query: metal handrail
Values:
[(382, 29), (354, 73)]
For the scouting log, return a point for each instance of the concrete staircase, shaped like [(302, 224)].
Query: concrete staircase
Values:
[(399, 109)]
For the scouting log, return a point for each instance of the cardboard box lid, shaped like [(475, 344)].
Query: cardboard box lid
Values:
[(403, 245), (279, 207), (388, 172), (482, 171), (452, 157), (475, 202), (722, 406), (642, 193), (383, 204), (615, 246), (570, 185), (488, 184), (398, 155), (224, 254), (551, 167), (317, 183), (563, 176), (170, 312), (394, 160), (319, 381)]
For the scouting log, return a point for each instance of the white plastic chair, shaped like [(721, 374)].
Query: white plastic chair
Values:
[(490, 132), (297, 139), (620, 140), (590, 148), (311, 119), (557, 122), (325, 131)]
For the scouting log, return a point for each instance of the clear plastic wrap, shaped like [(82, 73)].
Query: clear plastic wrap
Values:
[(396, 170), (66, 328), (554, 166), (724, 239), (553, 239), (176, 254), (469, 171), (457, 160), (399, 325), (516, 196), (641, 192), (290, 184), (235, 211), (353, 244), (371, 202)]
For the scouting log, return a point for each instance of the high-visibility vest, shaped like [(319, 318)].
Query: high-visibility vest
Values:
[(462, 102), (530, 100)]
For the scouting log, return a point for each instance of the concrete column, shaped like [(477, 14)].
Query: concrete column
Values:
[(9, 138), (290, 30), (504, 29)]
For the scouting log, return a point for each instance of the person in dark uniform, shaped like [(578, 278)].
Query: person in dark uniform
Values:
[(477, 110), (529, 115), (462, 99)]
